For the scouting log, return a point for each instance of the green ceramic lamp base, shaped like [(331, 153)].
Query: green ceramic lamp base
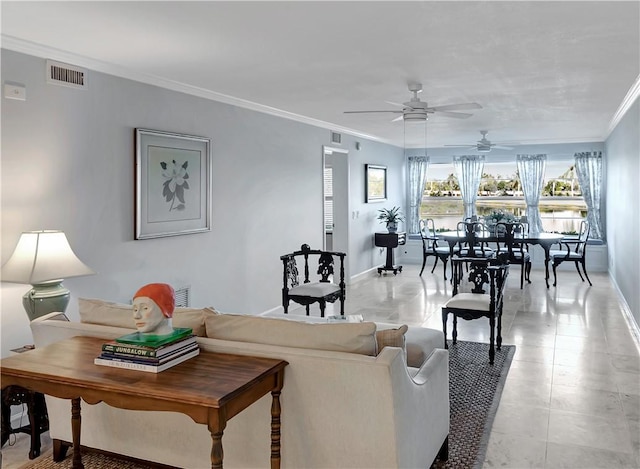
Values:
[(45, 298)]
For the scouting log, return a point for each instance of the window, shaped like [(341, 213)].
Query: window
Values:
[(328, 199), (561, 204)]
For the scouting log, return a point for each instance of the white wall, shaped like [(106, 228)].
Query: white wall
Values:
[(68, 164), (364, 254), (623, 207)]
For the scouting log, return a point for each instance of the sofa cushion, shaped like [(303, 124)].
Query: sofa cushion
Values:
[(338, 337), (94, 311), (392, 338)]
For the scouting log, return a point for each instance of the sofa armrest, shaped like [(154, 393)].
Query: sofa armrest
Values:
[(420, 342), (53, 316), (430, 365), (423, 398), (55, 327)]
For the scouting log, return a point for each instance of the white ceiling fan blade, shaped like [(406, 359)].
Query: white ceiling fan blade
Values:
[(457, 107), (461, 146), (501, 147), (457, 115), (399, 118), (363, 112), (394, 104)]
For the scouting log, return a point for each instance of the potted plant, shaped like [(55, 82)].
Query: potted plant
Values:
[(391, 217), (499, 216)]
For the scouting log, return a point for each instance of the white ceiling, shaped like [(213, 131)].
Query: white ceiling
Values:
[(544, 71)]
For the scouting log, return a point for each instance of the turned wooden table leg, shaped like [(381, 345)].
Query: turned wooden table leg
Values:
[(216, 450), (217, 424), (276, 411), (275, 429), (76, 462)]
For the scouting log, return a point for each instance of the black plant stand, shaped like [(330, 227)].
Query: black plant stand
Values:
[(390, 241)]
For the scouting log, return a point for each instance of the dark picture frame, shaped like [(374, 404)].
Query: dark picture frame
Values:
[(375, 183), (173, 184)]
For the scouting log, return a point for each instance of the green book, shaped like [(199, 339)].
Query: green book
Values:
[(152, 340)]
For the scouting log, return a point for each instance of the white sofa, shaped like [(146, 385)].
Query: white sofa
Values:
[(340, 409)]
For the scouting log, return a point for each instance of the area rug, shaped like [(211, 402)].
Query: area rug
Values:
[(475, 388), (91, 460)]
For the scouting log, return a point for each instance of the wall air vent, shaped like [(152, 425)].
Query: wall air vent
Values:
[(336, 138), (183, 297), (66, 75)]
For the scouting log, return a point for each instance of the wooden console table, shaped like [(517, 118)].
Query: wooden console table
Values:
[(66, 370), (390, 241)]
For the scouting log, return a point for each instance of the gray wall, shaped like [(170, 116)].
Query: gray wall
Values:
[(68, 164), (623, 207)]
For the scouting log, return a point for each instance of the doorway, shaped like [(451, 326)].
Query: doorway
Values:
[(335, 174)]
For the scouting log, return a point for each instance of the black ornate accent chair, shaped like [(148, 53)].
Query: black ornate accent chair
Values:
[(478, 303), (304, 290), (430, 246), (575, 249), (517, 251)]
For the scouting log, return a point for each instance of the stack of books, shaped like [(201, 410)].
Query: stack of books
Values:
[(147, 352)]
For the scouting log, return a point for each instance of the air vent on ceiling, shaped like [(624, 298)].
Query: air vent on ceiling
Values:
[(66, 75), (183, 297)]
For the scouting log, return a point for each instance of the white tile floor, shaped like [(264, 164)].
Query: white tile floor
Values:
[(572, 396)]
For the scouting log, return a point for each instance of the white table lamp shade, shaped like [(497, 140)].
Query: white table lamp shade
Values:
[(43, 259), (43, 256)]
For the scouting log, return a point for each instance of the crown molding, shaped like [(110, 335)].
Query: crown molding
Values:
[(628, 100), (42, 51)]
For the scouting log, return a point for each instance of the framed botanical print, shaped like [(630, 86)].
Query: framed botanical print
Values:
[(173, 184)]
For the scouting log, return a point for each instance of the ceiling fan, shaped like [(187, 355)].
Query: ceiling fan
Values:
[(416, 110), (483, 145)]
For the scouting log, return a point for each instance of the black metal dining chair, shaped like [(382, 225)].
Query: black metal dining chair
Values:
[(575, 249), (430, 246), (517, 251), (479, 302)]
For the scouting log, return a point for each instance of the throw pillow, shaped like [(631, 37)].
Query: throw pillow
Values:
[(338, 337), (392, 338), (105, 313)]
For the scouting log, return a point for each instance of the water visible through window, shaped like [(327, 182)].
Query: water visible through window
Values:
[(561, 204)]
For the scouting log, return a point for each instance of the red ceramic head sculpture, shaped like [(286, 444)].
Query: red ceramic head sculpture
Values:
[(153, 307), (162, 294)]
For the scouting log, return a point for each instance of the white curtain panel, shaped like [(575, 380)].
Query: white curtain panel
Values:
[(469, 172), (531, 172), (417, 171), (589, 172)]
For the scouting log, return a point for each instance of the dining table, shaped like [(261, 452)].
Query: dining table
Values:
[(544, 239)]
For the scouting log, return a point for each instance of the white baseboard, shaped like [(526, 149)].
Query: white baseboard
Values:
[(626, 312), (276, 310), (363, 274)]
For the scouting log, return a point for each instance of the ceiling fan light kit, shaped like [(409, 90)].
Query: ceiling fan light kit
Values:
[(417, 110)]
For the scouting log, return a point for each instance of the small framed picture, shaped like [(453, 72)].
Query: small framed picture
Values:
[(173, 184), (375, 183)]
